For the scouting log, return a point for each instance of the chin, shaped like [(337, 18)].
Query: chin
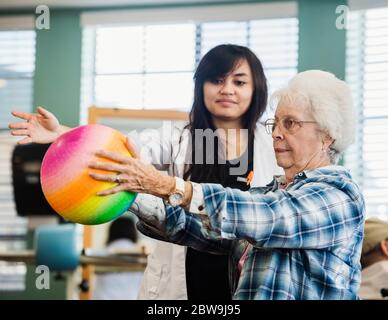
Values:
[(225, 111), (231, 110), (226, 115), (282, 163)]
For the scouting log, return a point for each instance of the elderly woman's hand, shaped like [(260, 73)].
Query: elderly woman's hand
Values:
[(131, 174)]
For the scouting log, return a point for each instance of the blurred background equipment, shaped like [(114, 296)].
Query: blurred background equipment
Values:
[(27, 189), (56, 247)]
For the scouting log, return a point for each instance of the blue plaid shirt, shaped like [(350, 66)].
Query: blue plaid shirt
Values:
[(306, 238)]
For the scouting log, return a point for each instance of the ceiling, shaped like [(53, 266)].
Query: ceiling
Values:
[(25, 4)]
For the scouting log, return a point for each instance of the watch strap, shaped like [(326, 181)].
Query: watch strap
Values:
[(179, 185)]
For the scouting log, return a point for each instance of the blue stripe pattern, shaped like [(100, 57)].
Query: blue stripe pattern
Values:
[(306, 238)]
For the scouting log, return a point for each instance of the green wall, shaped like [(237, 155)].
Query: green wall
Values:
[(321, 44), (58, 66)]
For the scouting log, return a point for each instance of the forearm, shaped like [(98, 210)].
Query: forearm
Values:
[(175, 225), (150, 210), (193, 231), (316, 216), (163, 186)]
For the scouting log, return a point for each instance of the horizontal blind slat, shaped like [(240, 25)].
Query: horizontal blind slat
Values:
[(367, 73)]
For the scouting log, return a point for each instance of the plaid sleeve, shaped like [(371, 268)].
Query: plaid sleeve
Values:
[(316, 215), (193, 231)]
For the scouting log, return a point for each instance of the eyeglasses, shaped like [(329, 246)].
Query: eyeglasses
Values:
[(288, 124)]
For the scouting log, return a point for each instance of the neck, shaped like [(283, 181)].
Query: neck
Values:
[(234, 140), (291, 172), (226, 124)]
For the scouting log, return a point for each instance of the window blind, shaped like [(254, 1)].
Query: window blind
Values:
[(17, 65), (12, 228), (367, 73), (145, 66), (151, 66), (274, 41)]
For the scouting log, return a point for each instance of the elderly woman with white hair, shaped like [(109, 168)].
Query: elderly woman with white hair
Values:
[(300, 237)]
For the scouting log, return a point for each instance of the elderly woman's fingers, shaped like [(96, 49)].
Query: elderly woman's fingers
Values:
[(113, 156), (104, 177), (108, 166), (116, 189), (132, 150)]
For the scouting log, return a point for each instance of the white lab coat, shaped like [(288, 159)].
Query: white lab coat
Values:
[(165, 277), (117, 285)]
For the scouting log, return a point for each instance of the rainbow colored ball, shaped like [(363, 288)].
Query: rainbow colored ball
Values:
[(65, 178)]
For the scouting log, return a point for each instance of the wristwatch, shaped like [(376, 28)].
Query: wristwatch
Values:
[(175, 198)]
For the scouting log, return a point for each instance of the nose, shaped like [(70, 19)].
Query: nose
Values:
[(277, 133), (227, 88)]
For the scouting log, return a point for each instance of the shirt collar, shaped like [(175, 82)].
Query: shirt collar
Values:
[(281, 179)]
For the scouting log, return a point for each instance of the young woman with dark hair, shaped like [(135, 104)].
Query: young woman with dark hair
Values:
[(230, 93), (230, 96)]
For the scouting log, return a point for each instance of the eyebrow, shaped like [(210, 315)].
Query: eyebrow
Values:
[(287, 116), (240, 75)]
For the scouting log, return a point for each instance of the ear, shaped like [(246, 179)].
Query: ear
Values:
[(327, 141), (384, 247)]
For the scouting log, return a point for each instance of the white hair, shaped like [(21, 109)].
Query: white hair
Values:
[(330, 102)]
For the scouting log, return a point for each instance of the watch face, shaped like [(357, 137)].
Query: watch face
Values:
[(175, 199)]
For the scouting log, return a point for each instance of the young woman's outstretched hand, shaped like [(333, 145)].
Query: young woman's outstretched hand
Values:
[(41, 127)]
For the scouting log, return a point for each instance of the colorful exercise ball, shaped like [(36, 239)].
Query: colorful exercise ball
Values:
[(65, 178)]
